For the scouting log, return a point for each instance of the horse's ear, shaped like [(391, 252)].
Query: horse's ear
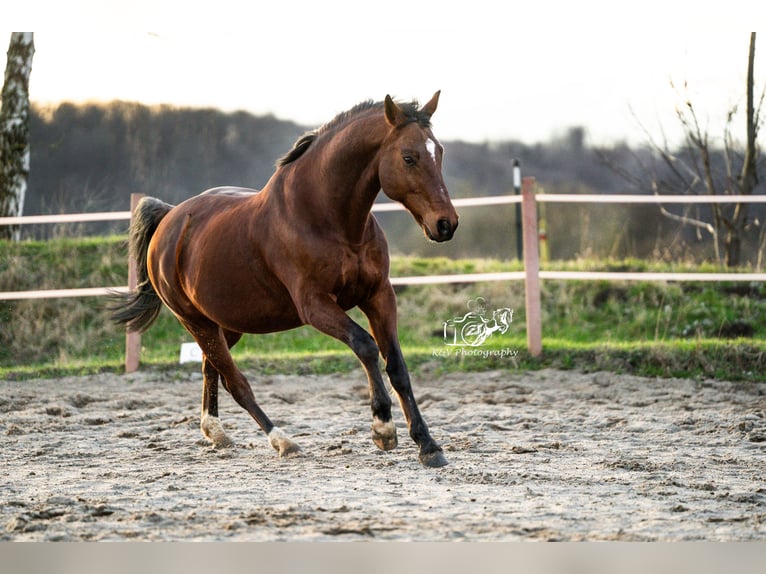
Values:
[(430, 107), (394, 114)]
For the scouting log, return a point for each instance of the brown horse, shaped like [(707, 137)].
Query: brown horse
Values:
[(302, 251)]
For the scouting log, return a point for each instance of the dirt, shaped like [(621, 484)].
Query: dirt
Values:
[(549, 455)]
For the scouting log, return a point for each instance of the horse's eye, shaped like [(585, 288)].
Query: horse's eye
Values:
[(409, 160)]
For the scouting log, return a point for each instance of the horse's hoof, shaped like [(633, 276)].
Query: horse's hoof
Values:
[(282, 443), (384, 434), (212, 429), (433, 459), (223, 442), (289, 449)]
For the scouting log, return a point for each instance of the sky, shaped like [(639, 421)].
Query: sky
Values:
[(524, 71)]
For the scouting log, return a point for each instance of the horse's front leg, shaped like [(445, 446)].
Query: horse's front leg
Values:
[(381, 311), (324, 314)]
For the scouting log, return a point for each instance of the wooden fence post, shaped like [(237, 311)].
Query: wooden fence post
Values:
[(132, 340), (531, 267)]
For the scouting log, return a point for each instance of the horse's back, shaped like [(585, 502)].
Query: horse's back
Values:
[(229, 191), (210, 215), (211, 207)]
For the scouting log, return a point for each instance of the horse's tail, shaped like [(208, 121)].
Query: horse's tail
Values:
[(139, 309)]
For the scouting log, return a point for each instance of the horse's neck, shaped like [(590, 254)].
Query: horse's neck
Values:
[(348, 182)]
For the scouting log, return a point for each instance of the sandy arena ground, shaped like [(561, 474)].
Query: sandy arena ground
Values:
[(548, 455)]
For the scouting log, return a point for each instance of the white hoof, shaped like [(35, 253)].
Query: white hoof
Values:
[(282, 443), (212, 429), (384, 434)]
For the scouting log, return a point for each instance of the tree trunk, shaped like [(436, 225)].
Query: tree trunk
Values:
[(14, 130), (748, 178), (733, 248)]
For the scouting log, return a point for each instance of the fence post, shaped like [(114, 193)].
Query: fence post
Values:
[(531, 267), (517, 191), (132, 339)]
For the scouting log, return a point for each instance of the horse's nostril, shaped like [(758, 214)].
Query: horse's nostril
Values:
[(444, 228)]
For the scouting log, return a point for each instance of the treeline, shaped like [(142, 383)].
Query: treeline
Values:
[(91, 157)]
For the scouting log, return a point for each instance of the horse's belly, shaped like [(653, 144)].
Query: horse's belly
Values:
[(259, 312)]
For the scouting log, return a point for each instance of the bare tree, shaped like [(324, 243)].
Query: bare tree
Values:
[(14, 129), (703, 170), (698, 167)]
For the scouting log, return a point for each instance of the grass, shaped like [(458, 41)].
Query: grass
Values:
[(657, 329)]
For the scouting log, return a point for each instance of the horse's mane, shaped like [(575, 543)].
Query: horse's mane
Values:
[(411, 111)]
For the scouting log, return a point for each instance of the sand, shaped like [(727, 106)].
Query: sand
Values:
[(548, 455)]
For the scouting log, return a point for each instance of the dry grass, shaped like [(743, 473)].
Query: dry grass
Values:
[(647, 328)]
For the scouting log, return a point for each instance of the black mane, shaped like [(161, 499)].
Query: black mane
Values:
[(411, 111)]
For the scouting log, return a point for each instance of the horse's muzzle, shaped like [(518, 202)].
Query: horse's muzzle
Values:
[(444, 231)]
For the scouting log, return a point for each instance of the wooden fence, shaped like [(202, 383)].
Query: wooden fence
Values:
[(531, 274)]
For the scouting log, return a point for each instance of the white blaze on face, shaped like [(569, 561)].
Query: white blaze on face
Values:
[(431, 147)]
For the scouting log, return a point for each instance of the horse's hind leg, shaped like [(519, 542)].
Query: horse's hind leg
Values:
[(210, 423), (211, 339)]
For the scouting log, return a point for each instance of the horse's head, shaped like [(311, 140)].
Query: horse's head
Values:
[(410, 168)]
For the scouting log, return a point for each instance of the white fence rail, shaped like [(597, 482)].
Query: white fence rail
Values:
[(531, 274), (66, 218), (62, 293), (617, 198)]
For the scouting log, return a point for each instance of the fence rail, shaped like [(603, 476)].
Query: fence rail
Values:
[(531, 274), (66, 218), (62, 293), (618, 198)]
